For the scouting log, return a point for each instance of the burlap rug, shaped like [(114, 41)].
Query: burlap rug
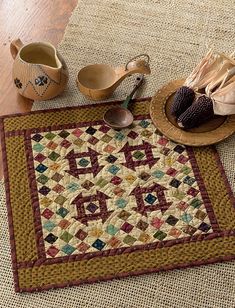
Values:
[(174, 33)]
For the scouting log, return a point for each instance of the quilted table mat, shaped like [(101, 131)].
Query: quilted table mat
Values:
[(87, 203)]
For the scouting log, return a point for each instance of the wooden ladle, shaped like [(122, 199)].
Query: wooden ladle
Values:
[(99, 81), (120, 117)]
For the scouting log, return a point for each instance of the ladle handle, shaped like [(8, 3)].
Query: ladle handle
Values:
[(126, 102), (136, 57), (139, 81)]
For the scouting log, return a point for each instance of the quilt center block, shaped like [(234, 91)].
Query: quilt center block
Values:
[(99, 189)]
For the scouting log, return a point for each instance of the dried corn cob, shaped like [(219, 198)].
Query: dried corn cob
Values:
[(197, 114), (208, 74), (182, 100)]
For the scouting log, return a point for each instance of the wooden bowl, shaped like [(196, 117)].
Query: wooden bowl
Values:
[(97, 81), (214, 131)]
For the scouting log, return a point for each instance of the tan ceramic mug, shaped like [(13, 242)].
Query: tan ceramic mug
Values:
[(39, 72)]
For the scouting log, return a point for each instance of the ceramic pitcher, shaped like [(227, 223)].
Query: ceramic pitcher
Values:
[(39, 71)]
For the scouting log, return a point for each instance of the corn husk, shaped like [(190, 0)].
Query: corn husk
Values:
[(210, 72), (225, 66), (216, 75), (204, 71), (223, 97)]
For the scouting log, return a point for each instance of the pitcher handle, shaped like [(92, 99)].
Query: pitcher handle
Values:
[(15, 47), (136, 57)]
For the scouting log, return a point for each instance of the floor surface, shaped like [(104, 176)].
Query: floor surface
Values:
[(30, 21)]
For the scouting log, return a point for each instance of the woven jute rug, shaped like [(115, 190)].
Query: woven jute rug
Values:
[(175, 35), (94, 203)]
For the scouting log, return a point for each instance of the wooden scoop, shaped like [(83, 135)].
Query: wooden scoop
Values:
[(120, 117), (99, 81)]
